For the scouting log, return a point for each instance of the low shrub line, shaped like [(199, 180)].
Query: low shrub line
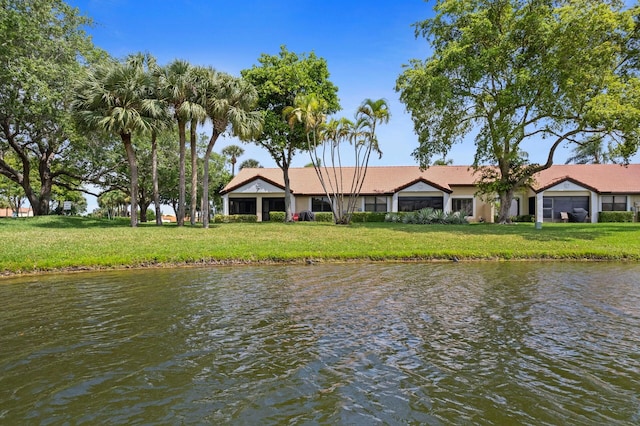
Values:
[(613, 217)]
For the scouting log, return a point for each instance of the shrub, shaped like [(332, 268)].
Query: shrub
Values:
[(523, 218), (426, 216), (604, 217), (361, 217), (277, 216), (235, 218), (396, 217), (324, 217)]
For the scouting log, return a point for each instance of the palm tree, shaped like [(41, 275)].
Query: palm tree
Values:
[(113, 99), (361, 134), (590, 152), (179, 88), (201, 79), (112, 202), (229, 104), (233, 152), (443, 162), (250, 164), (150, 66)]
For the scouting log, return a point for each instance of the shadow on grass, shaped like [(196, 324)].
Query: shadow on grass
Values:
[(82, 222), (77, 222), (549, 232)]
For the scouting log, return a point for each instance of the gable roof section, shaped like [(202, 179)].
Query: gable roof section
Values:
[(600, 178), (423, 180), (565, 179), (250, 179)]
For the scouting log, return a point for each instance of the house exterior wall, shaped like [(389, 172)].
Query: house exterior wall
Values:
[(22, 212), (634, 205), (568, 189), (482, 211), (302, 203), (258, 188)]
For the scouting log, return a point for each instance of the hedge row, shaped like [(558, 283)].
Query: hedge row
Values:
[(235, 218), (361, 217), (324, 217), (277, 216), (604, 217)]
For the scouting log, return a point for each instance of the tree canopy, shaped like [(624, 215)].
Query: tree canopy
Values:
[(43, 49), (279, 79), (514, 71)]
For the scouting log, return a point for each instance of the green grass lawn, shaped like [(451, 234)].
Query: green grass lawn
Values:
[(58, 243)]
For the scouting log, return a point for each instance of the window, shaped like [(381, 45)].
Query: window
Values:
[(462, 205), (320, 204), (411, 204), (242, 206), (375, 204), (614, 203)]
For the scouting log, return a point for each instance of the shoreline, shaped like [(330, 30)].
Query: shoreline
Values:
[(8, 274), (55, 244)]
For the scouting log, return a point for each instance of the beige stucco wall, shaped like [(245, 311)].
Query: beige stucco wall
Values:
[(482, 210), (302, 203), (635, 205)]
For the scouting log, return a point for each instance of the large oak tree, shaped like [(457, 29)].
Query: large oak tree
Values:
[(516, 71), (42, 44)]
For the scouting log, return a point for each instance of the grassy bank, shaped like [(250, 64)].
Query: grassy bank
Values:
[(58, 243)]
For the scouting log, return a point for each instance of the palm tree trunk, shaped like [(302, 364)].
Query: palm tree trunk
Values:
[(205, 180), (154, 178), (194, 173), (182, 178), (287, 194), (133, 170)]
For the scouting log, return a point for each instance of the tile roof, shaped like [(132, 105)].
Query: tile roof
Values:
[(602, 178)]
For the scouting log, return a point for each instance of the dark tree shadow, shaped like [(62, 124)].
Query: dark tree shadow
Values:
[(557, 232)]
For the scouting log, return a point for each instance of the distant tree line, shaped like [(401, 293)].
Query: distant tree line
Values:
[(74, 120)]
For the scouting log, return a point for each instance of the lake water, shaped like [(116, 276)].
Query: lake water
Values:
[(434, 343)]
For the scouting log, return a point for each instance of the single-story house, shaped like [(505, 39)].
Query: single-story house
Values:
[(561, 188), (22, 212)]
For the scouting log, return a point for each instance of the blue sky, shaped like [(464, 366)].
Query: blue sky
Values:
[(364, 42)]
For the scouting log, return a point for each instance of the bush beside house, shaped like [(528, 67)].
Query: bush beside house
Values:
[(604, 217), (235, 218)]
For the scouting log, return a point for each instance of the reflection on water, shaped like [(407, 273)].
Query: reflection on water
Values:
[(481, 343)]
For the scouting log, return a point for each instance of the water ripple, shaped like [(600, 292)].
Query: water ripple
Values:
[(523, 343)]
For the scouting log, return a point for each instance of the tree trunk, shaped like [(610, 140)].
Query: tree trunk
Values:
[(506, 199), (154, 178), (205, 180), (144, 205), (39, 202), (194, 173), (133, 170), (287, 194), (182, 179)]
